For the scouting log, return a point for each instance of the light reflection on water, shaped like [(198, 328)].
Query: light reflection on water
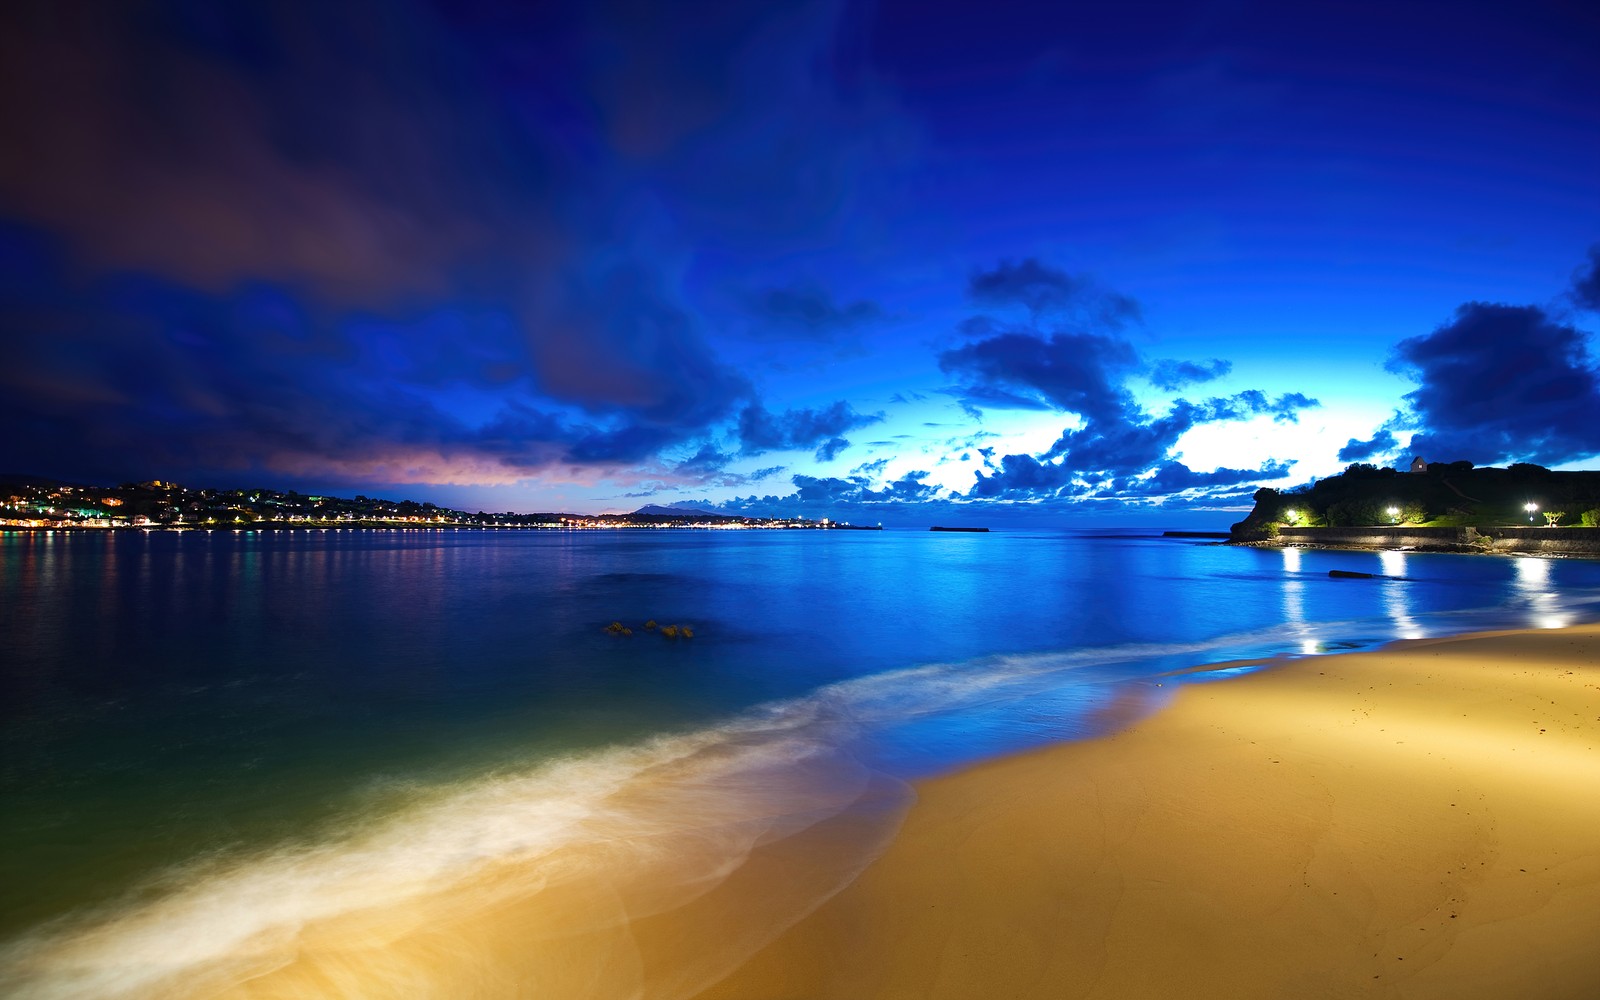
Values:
[(1534, 579), (1398, 595)]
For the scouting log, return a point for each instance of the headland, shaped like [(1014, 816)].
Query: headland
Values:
[(1444, 507)]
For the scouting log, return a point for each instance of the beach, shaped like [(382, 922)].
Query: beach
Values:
[(1420, 821)]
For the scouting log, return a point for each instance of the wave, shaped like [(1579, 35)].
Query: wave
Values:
[(548, 882)]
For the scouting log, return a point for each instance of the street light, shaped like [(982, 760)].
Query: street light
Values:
[(1394, 514), (1291, 516), (1530, 507)]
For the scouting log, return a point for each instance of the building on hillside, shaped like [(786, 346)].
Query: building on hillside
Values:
[(1418, 465)]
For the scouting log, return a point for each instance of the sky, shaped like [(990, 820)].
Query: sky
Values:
[(1049, 263)]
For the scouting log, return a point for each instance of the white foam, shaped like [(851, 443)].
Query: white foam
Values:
[(702, 800)]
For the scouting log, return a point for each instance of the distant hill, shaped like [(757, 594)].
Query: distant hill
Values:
[(656, 510)]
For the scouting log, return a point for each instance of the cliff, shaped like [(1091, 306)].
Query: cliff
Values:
[(1451, 507)]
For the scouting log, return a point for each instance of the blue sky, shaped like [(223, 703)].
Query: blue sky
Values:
[(904, 262)]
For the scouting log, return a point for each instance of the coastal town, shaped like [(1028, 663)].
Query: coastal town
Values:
[(32, 503)]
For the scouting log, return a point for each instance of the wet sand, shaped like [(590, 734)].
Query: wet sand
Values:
[(1417, 822)]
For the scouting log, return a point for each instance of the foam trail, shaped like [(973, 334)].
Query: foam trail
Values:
[(541, 883)]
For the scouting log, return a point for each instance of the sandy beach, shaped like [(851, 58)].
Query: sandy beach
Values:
[(1420, 822)]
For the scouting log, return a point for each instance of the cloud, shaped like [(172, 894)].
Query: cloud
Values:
[(1585, 289), (1132, 442), (872, 468), (119, 376), (809, 312), (843, 498), (1042, 290), (621, 343), (1085, 373), (761, 430), (436, 245), (1502, 383), (1170, 376), (828, 450), (1023, 477), (1175, 477), (708, 459), (1381, 443), (1075, 372)]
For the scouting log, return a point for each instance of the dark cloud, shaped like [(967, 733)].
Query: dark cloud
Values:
[(1023, 477), (872, 468), (1074, 372), (1085, 374), (761, 430), (1586, 282), (828, 450), (1170, 376), (619, 343), (708, 459), (213, 145), (1175, 477), (116, 377), (809, 312), (1502, 383), (841, 497), (1042, 290), (1133, 442), (1381, 443), (400, 239)]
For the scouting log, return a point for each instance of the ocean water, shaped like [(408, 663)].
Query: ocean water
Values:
[(414, 763)]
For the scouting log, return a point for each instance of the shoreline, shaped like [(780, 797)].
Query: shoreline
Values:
[(1415, 821), (1581, 542), (1432, 550)]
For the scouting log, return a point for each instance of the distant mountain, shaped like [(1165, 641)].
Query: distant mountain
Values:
[(656, 510)]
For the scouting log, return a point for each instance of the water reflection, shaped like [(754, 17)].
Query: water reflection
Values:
[(1294, 602), (1397, 597), (1533, 582)]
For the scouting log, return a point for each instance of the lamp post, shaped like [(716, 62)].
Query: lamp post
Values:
[(1291, 516), (1394, 515), (1530, 507)]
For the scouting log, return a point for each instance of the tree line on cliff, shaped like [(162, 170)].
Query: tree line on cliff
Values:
[(1447, 494)]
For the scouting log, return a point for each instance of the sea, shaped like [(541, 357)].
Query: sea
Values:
[(324, 762)]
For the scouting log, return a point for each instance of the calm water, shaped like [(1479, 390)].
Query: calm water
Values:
[(176, 702)]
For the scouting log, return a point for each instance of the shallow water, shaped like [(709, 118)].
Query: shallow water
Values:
[(219, 748)]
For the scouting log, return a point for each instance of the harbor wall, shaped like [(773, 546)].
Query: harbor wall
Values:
[(1511, 540)]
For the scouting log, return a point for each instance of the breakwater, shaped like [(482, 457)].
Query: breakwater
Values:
[(1508, 540)]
